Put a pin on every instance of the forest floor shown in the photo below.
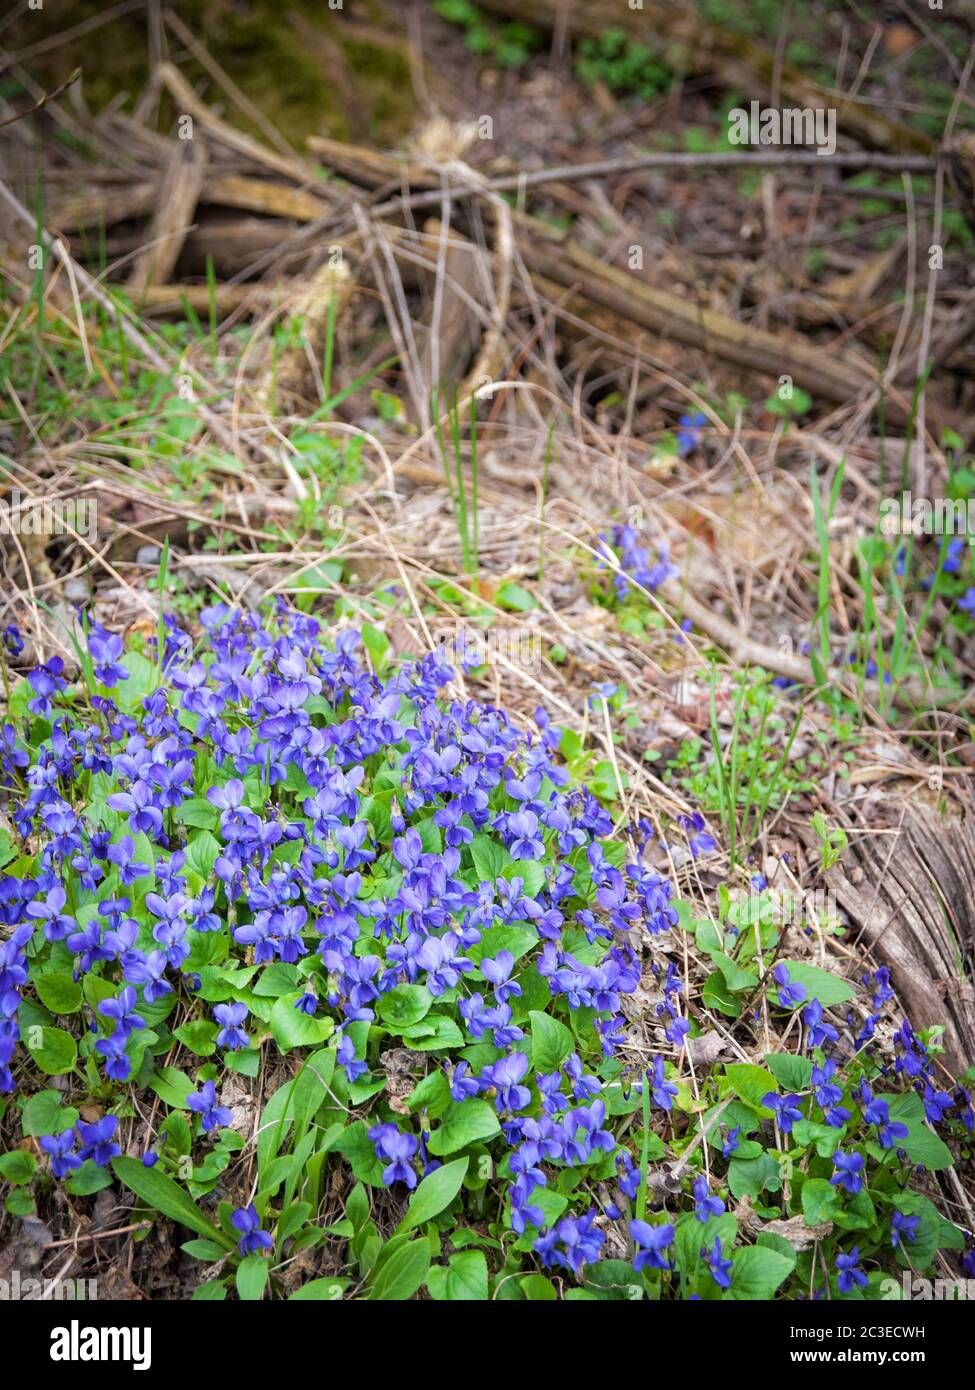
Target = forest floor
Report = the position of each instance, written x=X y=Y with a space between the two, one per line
x=565 y=381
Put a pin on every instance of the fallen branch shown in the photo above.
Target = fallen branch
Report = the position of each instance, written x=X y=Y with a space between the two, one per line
x=178 y=197
x=746 y=651
x=827 y=373
x=113 y=205
x=189 y=103
x=371 y=168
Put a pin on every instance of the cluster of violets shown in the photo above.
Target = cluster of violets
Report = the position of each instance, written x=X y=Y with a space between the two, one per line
x=462 y=764
x=635 y=563
x=275 y=701
x=912 y=1062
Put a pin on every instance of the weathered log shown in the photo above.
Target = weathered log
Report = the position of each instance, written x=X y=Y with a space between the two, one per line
x=915 y=908
x=225 y=299
x=178 y=196
x=109 y=206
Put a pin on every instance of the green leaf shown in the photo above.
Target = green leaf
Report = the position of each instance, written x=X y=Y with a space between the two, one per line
x=490 y=858
x=200 y=1037
x=692 y=1235
x=311 y=1086
x=749 y=1177
x=213 y=1291
x=615 y=1279
x=826 y=1139
x=354 y=1143
x=463 y=1280
x=327 y=1290
x=552 y=1042
x=175 y=1131
x=97 y=990
x=922 y=1145
x=792 y=1073
x=172 y=1086
x=202 y=853
x=87 y=1180
x=376 y=644
x=716 y=995
x=530 y=871
x=434 y=1194
x=46 y=1113
x=58 y=990
x=431 y=1094
x=277 y=979
x=503 y=937
x=164 y=1195
x=221 y=982
x=377 y=811
x=930 y=1233
x=751 y=1083
x=434 y=1032
x=859 y=1214
x=707 y=934
x=464 y=1123
x=399 y=1277
x=758 y=1271
x=55 y=1053
x=246 y=1062
x=538 y=1289
x=820 y=1201
x=18 y=1166
x=431 y=837
x=736 y=979
x=819 y=984
x=404 y=1006
x=292 y=1028
x=207 y=1250
x=19 y=1201
x=514 y=597
x=252 y=1278
x=199 y=813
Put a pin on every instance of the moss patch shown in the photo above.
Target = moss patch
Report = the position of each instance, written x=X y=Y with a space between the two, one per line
x=309 y=69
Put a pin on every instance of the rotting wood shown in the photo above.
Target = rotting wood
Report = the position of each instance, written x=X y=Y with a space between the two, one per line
x=453 y=338
x=372 y=168
x=914 y=904
x=113 y=205
x=178 y=197
x=225 y=299
x=281 y=379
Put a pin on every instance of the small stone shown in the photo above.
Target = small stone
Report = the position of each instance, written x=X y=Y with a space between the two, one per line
x=76 y=590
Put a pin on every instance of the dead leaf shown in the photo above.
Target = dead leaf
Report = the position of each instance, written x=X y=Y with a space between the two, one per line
x=705 y=1049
